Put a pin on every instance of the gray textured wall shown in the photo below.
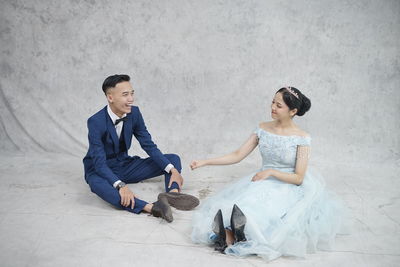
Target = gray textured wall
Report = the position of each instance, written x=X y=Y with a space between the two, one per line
x=204 y=71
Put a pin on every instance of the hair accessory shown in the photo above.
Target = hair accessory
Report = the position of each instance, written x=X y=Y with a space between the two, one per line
x=292 y=92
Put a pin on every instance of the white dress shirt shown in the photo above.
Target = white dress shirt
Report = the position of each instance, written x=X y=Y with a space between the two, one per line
x=118 y=129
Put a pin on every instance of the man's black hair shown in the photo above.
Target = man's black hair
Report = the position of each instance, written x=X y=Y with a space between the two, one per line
x=113 y=80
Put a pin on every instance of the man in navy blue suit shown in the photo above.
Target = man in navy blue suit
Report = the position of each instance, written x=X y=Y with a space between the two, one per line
x=108 y=167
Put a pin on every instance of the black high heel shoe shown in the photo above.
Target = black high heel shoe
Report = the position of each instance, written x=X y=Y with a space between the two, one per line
x=219 y=230
x=238 y=222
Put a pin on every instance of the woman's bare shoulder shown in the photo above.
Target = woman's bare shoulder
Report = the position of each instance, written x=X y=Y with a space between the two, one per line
x=265 y=125
x=302 y=133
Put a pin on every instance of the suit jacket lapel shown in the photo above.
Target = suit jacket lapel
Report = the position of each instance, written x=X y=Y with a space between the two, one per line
x=128 y=130
x=112 y=131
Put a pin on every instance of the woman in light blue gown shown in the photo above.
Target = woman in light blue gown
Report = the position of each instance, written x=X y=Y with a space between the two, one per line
x=283 y=209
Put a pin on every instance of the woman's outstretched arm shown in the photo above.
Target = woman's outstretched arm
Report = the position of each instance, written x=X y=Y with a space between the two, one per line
x=231 y=158
x=297 y=177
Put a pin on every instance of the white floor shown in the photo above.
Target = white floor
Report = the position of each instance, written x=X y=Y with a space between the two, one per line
x=49 y=217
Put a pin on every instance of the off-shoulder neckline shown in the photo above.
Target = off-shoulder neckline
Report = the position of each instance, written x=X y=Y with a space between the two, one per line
x=284 y=135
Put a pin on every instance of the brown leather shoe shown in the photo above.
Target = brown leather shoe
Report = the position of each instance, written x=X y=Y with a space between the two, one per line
x=180 y=201
x=162 y=209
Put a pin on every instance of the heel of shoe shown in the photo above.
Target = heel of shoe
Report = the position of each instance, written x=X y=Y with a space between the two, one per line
x=239 y=234
x=220 y=244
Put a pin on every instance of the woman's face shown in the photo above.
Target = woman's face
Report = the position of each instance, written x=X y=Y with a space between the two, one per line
x=279 y=109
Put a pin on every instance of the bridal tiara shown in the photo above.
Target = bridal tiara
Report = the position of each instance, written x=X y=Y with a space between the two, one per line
x=290 y=90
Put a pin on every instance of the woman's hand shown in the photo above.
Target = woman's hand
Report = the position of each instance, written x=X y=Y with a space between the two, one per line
x=197 y=164
x=262 y=175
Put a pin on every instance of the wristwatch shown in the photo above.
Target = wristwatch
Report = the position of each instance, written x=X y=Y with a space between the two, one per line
x=120 y=185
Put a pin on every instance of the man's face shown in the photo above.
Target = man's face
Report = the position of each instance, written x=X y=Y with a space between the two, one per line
x=120 y=98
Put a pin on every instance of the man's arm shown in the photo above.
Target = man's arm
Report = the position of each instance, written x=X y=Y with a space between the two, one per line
x=144 y=138
x=97 y=153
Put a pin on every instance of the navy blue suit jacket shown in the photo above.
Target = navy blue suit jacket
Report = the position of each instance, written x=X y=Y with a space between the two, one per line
x=104 y=157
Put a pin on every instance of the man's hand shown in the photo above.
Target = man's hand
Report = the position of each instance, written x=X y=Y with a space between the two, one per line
x=127 y=197
x=176 y=177
x=261 y=175
x=197 y=164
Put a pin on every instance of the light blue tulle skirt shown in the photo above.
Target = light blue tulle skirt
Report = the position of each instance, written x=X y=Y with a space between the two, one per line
x=282 y=219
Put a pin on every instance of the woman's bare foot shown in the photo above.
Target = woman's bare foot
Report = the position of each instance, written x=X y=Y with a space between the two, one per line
x=229 y=237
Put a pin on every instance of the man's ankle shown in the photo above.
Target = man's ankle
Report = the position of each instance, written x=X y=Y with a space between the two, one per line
x=174 y=191
x=148 y=207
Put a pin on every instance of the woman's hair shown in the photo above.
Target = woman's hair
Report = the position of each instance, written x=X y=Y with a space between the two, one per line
x=295 y=99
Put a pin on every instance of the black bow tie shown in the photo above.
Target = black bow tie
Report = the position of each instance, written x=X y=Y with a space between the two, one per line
x=119 y=120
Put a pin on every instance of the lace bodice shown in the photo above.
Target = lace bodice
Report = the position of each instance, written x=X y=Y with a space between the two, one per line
x=279 y=151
